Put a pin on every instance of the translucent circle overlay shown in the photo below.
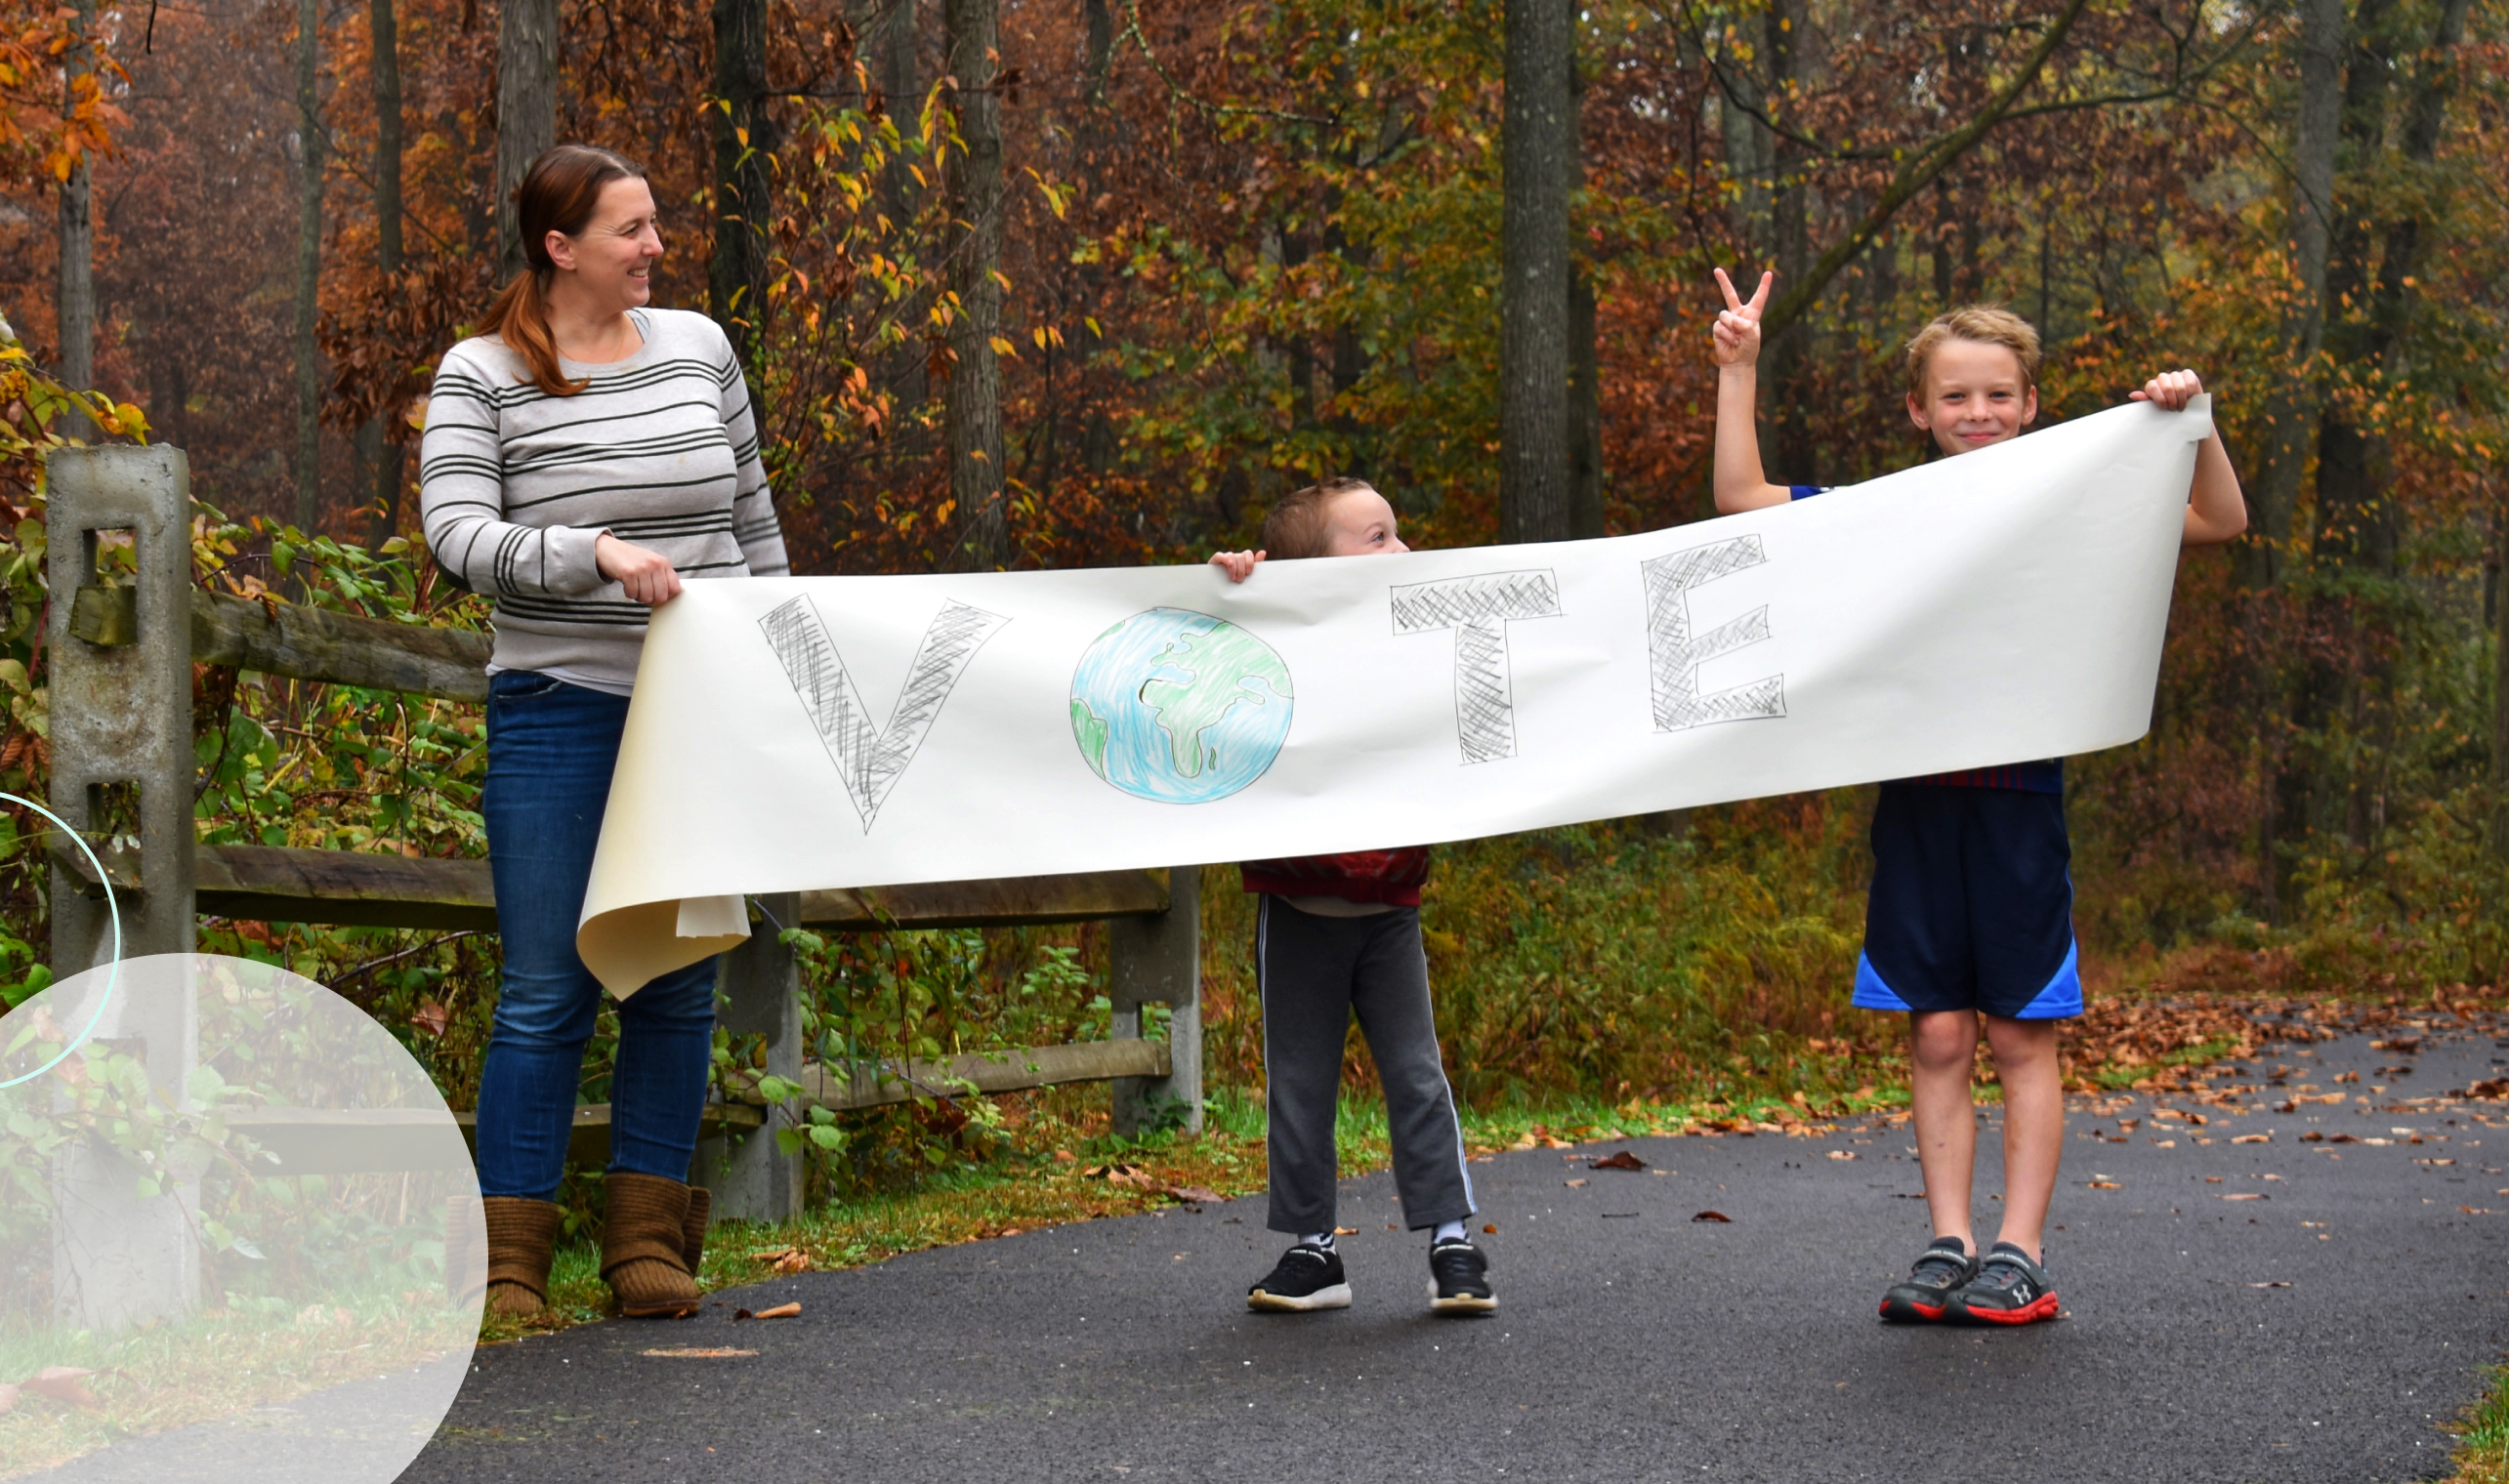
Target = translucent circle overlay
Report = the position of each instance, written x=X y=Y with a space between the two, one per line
x=240 y=1233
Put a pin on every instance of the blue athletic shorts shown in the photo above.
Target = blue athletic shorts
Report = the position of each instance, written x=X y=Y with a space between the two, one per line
x=1972 y=906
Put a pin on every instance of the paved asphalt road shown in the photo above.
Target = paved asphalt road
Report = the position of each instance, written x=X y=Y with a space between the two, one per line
x=1632 y=1343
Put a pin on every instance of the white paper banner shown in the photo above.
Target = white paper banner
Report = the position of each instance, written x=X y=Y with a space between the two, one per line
x=810 y=732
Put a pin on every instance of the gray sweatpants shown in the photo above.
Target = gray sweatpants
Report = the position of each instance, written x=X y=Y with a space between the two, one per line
x=1313 y=972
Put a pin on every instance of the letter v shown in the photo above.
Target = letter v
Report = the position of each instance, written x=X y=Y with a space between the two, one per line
x=871 y=760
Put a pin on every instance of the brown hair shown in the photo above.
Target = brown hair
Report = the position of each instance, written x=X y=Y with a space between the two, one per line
x=1986 y=324
x=558 y=194
x=1295 y=527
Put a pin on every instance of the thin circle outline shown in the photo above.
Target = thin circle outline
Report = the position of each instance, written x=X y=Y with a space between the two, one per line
x=114 y=976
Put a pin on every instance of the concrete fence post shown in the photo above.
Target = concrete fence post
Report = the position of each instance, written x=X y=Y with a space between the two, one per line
x=121 y=710
x=759 y=993
x=1160 y=959
x=122 y=764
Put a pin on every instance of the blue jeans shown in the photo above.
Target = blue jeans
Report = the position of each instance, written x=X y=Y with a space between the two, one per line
x=552 y=748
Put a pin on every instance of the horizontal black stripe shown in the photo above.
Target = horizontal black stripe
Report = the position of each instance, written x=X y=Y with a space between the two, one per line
x=512 y=506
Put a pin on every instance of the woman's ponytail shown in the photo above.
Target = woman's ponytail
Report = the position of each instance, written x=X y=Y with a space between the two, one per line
x=559 y=193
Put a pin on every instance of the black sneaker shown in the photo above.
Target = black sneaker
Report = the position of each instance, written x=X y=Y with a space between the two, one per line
x=1927 y=1292
x=1307 y=1277
x=2009 y=1289
x=1459 y=1282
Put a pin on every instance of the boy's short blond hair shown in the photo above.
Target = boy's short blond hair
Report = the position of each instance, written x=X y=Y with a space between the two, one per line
x=1295 y=527
x=1986 y=324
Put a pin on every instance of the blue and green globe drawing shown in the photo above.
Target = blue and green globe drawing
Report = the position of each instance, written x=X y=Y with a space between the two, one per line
x=1179 y=706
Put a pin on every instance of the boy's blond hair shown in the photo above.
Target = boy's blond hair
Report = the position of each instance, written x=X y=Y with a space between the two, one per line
x=1295 y=527
x=1986 y=324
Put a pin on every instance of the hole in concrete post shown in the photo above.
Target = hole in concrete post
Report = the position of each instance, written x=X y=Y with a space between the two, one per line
x=113 y=832
x=105 y=611
x=112 y=555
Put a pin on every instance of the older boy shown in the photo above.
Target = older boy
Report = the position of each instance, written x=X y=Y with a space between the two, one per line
x=1336 y=934
x=1970 y=916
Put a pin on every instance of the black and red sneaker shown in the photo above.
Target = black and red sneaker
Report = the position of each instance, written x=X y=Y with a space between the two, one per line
x=1928 y=1288
x=2009 y=1289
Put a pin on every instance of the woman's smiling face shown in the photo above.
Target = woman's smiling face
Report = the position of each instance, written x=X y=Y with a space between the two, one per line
x=613 y=257
x=1975 y=394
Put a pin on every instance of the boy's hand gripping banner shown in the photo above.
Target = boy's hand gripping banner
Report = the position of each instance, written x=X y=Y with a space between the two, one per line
x=811 y=732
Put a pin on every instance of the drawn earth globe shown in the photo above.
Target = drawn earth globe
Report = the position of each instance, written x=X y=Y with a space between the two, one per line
x=1179 y=706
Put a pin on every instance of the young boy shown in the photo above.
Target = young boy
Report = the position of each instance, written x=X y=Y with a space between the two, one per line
x=1970 y=918
x=1336 y=934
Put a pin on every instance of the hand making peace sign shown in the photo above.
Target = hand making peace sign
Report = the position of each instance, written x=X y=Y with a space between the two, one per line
x=1738 y=324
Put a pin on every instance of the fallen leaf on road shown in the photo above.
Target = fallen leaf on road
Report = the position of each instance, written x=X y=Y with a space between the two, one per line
x=1490 y=1228
x=2407 y=1044
x=1711 y=1215
x=2248 y=1195
x=2381 y=1142
x=2341 y=1138
x=784 y=1259
x=1842 y=1154
x=2253 y=1138
x=1346 y=1231
x=699 y=1353
x=2269 y=1285
x=2312 y=1136
x=2212 y=1179
x=2434 y=1162
x=1620 y=1160
x=1132 y=1177
x=1196 y=1195
x=2489 y=1086
x=2473 y=1211
x=1573 y=1184
x=779 y=1311
x=2105 y=1185
x=61 y=1384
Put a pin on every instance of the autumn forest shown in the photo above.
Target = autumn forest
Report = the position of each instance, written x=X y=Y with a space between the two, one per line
x=1091 y=282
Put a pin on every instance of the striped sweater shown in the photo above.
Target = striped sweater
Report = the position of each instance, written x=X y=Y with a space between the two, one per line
x=660 y=451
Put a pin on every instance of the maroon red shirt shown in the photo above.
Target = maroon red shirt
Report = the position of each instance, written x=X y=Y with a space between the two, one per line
x=1391 y=876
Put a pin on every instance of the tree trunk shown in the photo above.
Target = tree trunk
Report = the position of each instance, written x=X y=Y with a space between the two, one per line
x=527 y=110
x=76 y=307
x=391 y=454
x=1100 y=24
x=1585 y=415
x=309 y=266
x=2501 y=682
x=902 y=82
x=1789 y=438
x=2357 y=529
x=743 y=141
x=974 y=404
x=2291 y=400
x=1537 y=154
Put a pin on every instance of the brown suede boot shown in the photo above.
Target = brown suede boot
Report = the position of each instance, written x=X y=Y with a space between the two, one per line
x=523 y=1239
x=643 y=1257
x=692 y=1231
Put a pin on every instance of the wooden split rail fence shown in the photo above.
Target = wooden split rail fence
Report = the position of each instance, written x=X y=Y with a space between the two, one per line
x=121 y=653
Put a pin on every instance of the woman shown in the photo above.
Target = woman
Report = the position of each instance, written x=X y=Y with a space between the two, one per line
x=582 y=458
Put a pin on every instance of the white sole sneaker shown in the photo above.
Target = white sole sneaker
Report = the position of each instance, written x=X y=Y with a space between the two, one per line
x=1460 y=1304
x=1338 y=1296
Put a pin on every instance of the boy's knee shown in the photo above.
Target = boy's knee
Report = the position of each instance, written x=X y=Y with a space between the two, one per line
x=1943 y=1038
